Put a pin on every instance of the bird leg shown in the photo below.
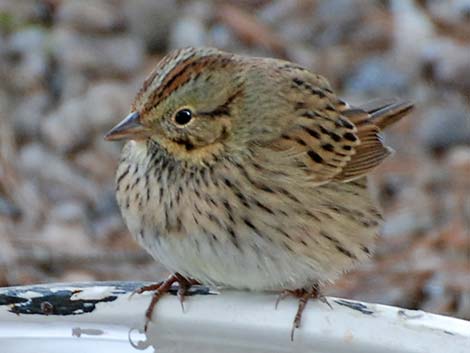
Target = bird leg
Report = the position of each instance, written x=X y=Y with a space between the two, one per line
x=303 y=295
x=160 y=288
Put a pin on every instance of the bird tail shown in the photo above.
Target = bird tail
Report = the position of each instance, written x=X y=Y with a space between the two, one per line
x=383 y=113
x=370 y=119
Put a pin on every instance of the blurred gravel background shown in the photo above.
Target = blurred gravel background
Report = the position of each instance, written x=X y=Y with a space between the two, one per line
x=69 y=70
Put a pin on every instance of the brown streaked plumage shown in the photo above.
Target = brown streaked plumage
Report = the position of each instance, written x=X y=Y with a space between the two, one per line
x=250 y=173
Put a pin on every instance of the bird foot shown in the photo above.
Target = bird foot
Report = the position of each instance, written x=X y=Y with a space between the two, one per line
x=160 y=288
x=303 y=295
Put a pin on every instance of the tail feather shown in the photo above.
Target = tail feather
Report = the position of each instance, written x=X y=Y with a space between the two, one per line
x=387 y=112
x=370 y=119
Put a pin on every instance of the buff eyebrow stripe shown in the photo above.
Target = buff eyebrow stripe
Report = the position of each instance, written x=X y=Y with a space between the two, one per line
x=223 y=109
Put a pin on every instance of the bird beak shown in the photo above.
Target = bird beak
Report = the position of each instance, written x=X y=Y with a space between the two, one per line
x=129 y=128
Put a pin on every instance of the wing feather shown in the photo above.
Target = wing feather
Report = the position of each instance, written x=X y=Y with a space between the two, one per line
x=328 y=139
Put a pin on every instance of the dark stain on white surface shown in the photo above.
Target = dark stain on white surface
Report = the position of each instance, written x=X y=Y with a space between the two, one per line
x=66 y=299
x=362 y=308
x=79 y=331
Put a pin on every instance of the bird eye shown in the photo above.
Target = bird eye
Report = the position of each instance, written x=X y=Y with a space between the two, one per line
x=183 y=116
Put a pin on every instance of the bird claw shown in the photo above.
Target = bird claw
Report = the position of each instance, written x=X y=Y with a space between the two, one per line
x=283 y=295
x=182 y=290
x=323 y=299
x=160 y=288
x=143 y=289
x=304 y=296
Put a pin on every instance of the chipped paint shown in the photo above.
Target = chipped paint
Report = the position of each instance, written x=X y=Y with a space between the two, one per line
x=195 y=290
x=361 y=307
x=79 y=331
x=410 y=314
x=59 y=299
x=31 y=294
x=58 y=303
x=232 y=319
x=93 y=293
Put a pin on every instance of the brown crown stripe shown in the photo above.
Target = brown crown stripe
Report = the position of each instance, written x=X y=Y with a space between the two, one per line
x=178 y=76
x=156 y=71
x=178 y=68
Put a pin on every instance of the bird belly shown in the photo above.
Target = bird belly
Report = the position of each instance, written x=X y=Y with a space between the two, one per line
x=236 y=237
x=255 y=266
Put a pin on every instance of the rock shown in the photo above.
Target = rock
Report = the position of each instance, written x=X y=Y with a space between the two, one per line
x=111 y=151
x=151 y=21
x=445 y=126
x=452 y=11
x=335 y=21
x=459 y=160
x=59 y=180
x=391 y=188
x=333 y=63
x=89 y=16
x=29 y=113
x=26 y=40
x=97 y=163
x=188 y=32
x=448 y=62
x=377 y=76
x=463 y=310
x=74 y=123
x=69 y=239
x=71 y=83
x=8 y=209
x=30 y=201
x=190 y=28
x=107 y=204
x=106 y=220
x=68 y=212
x=302 y=55
x=8 y=253
x=15 y=12
x=376 y=35
x=77 y=276
x=107 y=103
x=280 y=12
x=67 y=128
x=447 y=289
x=220 y=36
x=413 y=30
x=407 y=221
x=104 y=228
x=26 y=49
x=101 y=56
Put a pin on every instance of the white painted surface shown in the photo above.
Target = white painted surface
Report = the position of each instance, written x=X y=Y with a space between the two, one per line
x=228 y=322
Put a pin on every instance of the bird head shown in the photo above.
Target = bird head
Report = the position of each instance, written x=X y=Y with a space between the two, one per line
x=188 y=105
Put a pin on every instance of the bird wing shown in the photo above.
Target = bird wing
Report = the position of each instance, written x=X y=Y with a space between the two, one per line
x=328 y=139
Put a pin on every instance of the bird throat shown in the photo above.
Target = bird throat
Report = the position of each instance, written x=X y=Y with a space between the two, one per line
x=187 y=153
